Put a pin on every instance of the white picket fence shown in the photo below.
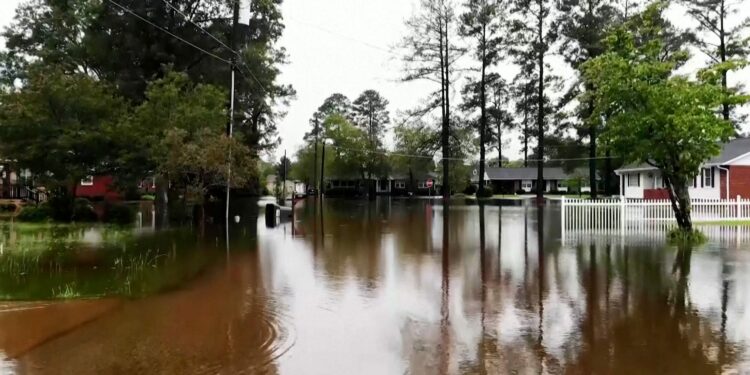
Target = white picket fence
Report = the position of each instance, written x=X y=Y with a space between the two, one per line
x=626 y=215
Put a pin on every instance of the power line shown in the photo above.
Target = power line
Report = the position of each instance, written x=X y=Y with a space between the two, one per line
x=127 y=10
x=367 y=44
x=198 y=26
x=433 y=157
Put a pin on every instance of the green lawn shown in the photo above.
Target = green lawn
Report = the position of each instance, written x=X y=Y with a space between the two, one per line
x=724 y=223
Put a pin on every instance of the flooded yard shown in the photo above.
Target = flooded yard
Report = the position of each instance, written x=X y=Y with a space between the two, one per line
x=384 y=287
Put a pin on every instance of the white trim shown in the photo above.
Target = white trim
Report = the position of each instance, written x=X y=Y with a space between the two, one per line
x=87 y=181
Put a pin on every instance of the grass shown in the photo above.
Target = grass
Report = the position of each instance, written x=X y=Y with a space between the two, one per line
x=724 y=223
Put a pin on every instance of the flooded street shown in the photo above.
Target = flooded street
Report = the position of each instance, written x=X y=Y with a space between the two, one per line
x=385 y=287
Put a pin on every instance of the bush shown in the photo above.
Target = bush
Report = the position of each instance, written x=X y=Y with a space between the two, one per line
x=83 y=210
x=521 y=191
x=679 y=236
x=118 y=214
x=470 y=190
x=485 y=193
x=61 y=205
x=8 y=207
x=35 y=214
x=148 y=197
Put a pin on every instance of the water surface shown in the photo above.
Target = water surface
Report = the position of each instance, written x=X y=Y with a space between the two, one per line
x=385 y=287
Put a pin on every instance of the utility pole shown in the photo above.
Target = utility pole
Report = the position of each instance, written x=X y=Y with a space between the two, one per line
x=230 y=126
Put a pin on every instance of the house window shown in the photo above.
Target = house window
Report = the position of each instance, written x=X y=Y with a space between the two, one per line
x=400 y=185
x=708 y=177
x=634 y=179
x=421 y=185
x=87 y=181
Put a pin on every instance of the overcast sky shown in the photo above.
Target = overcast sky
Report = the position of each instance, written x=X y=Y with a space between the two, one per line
x=346 y=46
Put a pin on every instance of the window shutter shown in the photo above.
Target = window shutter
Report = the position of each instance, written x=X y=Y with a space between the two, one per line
x=703 y=176
x=695 y=182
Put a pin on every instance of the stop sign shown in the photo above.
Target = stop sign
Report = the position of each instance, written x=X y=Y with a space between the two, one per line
x=428 y=183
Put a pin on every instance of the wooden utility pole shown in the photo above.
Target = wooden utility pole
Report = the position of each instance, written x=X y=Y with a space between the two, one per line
x=315 y=163
x=230 y=126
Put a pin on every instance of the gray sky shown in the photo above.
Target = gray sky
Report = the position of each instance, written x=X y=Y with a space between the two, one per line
x=345 y=46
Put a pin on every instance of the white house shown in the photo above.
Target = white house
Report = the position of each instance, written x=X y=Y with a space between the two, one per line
x=724 y=176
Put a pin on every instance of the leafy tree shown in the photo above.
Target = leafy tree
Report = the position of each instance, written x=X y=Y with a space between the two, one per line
x=173 y=102
x=430 y=54
x=60 y=126
x=413 y=142
x=716 y=38
x=197 y=162
x=657 y=117
x=482 y=22
x=348 y=146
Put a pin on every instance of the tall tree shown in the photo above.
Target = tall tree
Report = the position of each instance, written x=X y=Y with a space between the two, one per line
x=718 y=36
x=370 y=113
x=261 y=97
x=482 y=22
x=584 y=24
x=430 y=54
x=534 y=33
x=654 y=116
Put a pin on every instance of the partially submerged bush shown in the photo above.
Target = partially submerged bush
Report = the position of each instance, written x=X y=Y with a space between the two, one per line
x=679 y=236
x=118 y=214
x=486 y=193
x=83 y=211
x=35 y=214
x=470 y=190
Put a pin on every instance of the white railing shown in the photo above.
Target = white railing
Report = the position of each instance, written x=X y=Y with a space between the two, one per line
x=639 y=214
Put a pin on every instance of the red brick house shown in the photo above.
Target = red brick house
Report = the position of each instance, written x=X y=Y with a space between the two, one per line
x=724 y=176
x=103 y=187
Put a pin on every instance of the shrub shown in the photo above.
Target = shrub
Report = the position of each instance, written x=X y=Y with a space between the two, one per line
x=118 y=214
x=61 y=205
x=485 y=193
x=35 y=214
x=521 y=191
x=470 y=190
x=83 y=210
x=678 y=236
x=148 y=197
x=8 y=207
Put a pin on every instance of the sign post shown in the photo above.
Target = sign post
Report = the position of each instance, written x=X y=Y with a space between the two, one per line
x=429 y=183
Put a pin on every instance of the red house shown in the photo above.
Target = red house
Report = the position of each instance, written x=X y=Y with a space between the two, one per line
x=98 y=187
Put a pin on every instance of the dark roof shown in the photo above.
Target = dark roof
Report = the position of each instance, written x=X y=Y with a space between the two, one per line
x=729 y=151
x=417 y=176
x=550 y=173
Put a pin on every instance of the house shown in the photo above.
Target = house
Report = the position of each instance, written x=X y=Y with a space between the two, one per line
x=724 y=176
x=515 y=180
x=397 y=184
x=97 y=188
x=424 y=184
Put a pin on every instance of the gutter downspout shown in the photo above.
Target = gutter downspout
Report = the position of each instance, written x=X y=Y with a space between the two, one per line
x=726 y=170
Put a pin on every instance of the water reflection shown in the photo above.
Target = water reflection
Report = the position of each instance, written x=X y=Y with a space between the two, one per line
x=411 y=286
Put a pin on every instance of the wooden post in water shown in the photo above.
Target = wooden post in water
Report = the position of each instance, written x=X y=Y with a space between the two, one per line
x=622 y=215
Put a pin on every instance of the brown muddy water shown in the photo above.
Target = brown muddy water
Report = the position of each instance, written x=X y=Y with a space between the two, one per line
x=385 y=287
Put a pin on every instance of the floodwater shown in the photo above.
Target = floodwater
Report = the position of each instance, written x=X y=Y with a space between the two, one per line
x=385 y=287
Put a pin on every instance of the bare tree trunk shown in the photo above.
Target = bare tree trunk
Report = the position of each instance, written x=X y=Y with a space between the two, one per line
x=540 y=108
x=483 y=120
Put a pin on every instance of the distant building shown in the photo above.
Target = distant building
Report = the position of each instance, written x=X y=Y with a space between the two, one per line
x=517 y=180
x=724 y=176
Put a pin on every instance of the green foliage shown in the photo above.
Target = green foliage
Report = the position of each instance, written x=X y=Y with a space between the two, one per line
x=654 y=116
x=118 y=214
x=58 y=125
x=485 y=193
x=35 y=214
x=680 y=236
x=83 y=211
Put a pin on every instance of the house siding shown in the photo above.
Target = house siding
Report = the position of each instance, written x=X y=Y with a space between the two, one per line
x=739 y=181
x=102 y=188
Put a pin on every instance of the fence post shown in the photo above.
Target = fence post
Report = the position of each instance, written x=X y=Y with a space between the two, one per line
x=739 y=208
x=562 y=218
x=622 y=214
